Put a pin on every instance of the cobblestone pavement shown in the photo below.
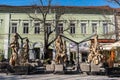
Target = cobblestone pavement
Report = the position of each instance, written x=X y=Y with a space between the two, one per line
x=55 y=77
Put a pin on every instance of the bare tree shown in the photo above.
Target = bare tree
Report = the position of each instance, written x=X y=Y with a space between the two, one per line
x=115 y=1
x=45 y=8
x=117 y=28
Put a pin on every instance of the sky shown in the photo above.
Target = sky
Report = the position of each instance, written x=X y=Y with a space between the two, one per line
x=61 y=3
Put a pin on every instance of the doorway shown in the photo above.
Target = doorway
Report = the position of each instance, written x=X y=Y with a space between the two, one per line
x=72 y=55
x=37 y=53
x=84 y=56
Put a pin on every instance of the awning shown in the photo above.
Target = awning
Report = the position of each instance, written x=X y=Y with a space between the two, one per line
x=110 y=46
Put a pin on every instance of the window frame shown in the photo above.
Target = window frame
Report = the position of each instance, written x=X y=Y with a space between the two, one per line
x=48 y=25
x=14 y=28
x=60 y=27
x=94 y=27
x=72 y=28
x=83 y=28
x=105 y=28
x=25 y=28
x=37 y=28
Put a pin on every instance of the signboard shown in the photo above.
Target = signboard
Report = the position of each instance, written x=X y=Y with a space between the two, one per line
x=104 y=40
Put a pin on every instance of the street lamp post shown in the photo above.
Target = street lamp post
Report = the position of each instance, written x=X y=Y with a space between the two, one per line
x=78 y=62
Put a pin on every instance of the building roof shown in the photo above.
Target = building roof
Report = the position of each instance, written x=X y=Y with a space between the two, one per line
x=65 y=9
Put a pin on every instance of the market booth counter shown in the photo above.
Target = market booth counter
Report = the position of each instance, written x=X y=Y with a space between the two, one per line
x=112 y=52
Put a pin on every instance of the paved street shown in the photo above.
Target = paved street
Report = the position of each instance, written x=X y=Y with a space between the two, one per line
x=55 y=77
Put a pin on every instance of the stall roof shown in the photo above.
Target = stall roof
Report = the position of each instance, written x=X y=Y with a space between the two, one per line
x=111 y=45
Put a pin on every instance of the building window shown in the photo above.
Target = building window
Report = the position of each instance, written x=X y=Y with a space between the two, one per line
x=105 y=28
x=48 y=25
x=25 y=28
x=60 y=28
x=83 y=28
x=37 y=28
x=94 y=27
x=72 y=28
x=14 y=28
